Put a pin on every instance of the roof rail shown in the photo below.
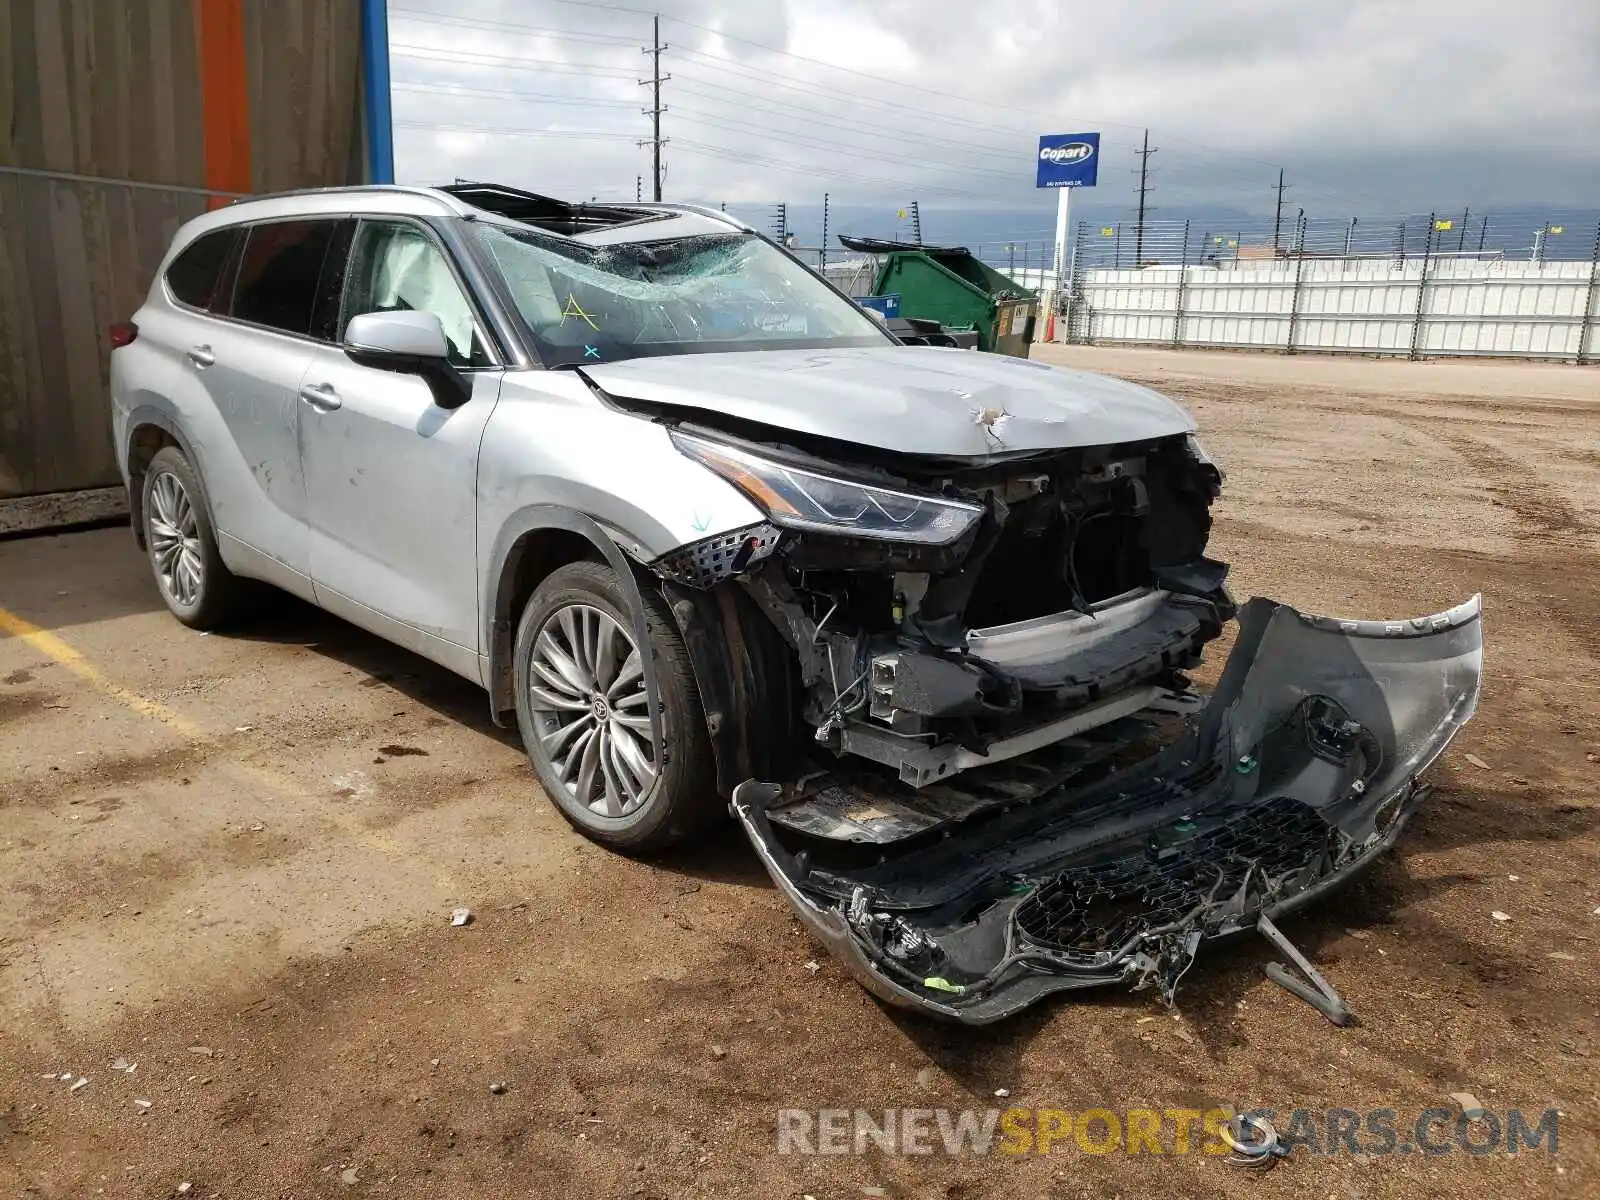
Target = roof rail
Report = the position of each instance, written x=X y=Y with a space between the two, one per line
x=408 y=189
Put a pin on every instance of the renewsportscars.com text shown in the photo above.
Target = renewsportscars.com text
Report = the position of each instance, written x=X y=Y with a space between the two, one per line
x=1017 y=1131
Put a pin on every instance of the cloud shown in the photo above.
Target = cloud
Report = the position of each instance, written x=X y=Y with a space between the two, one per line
x=1369 y=106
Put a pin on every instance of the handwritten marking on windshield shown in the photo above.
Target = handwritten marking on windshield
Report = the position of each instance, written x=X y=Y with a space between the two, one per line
x=591 y=351
x=574 y=309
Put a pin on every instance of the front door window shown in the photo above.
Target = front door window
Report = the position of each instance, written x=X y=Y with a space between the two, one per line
x=397 y=267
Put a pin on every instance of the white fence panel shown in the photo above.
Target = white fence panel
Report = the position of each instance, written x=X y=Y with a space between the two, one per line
x=1369 y=305
x=1247 y=304
x=1363 y=305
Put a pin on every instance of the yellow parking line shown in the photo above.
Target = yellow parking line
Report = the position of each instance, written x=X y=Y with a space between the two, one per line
x=250 y=774
x=57 y=650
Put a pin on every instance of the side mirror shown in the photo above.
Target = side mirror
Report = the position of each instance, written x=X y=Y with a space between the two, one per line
x=411 y=343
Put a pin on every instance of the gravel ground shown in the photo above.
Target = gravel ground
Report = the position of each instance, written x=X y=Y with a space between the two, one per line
x=231 y=861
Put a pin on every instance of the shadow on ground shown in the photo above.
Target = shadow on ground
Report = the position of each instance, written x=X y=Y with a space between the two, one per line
x=59 y=581
x=285 y=620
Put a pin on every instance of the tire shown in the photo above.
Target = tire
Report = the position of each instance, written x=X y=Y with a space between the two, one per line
x=193 y=580
x=566 y=733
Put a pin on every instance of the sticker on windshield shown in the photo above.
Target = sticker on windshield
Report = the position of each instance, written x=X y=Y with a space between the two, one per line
x=574 y=309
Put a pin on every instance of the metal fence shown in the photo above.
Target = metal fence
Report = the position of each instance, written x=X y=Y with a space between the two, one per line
x=111 y=136
x=1119 y=244
x=1434 y=299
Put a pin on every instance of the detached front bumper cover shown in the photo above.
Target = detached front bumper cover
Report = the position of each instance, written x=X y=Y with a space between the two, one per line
x=1300 y=770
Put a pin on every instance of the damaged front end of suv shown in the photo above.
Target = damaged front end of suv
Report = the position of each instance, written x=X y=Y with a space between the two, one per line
x=949 y=696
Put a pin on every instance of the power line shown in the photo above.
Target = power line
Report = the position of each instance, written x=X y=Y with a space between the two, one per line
x=712 y=62
x=698 y=116
x=564 y=35
x=451 y=89
x=808 y=115
x=731 y=154
x=778 y=164
x=470 y=58
x=507 y=131
x=816 y=117
x=621 y=8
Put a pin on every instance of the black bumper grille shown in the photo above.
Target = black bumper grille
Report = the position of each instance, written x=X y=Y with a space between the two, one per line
x=1098 y=907
x=710 y=561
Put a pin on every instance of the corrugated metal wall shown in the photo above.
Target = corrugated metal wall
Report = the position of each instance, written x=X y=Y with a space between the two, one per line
x=104 y=115
x=1360 y=305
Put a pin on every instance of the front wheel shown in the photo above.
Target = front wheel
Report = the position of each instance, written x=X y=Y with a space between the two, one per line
x=583 y=709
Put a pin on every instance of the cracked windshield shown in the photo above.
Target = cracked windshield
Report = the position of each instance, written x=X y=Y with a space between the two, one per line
x=690 y=295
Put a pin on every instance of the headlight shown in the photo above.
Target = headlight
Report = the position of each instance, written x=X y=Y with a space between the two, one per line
x=1198 y=450
x=801 y=499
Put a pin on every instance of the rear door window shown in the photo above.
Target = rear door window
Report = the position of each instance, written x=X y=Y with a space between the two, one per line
x=194 y=275
x=279 y=272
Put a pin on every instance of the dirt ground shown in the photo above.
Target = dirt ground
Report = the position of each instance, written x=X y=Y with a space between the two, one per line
x=231 y=860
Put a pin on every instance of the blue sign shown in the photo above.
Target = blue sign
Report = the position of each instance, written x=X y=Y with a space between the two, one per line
x=1068 y=160
x=884 y=306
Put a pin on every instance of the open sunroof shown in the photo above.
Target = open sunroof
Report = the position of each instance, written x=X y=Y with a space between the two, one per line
x=545 y=212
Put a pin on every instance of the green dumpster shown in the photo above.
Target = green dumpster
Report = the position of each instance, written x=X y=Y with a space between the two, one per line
x=950 y=285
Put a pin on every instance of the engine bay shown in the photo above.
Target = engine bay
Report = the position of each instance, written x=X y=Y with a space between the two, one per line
x=1058 y=627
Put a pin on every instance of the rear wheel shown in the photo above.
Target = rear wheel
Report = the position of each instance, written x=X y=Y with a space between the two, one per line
x=583 y=708
x=190 y=575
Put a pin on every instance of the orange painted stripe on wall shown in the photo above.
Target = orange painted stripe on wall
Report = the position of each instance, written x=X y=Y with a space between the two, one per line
x=225 y=95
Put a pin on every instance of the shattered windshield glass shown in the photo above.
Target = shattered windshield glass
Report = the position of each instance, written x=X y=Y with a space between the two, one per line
x=701 y=294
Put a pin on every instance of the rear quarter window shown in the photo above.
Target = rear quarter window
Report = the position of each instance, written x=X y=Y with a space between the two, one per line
x=194 y=276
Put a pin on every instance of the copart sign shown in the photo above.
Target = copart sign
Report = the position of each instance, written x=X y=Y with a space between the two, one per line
x=1068 y=160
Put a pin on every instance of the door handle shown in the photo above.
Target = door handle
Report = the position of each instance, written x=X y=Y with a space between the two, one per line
x=320 y=396
x=201 y=356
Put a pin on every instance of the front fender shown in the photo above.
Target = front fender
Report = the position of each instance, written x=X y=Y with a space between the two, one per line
x=499 y=621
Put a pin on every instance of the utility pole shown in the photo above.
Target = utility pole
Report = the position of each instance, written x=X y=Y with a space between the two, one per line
x=1144 y=187
x=655 y=110
x=916 y=223
x=1277 y=216
x=822 y=254
x=638 y=188
x=780 y=222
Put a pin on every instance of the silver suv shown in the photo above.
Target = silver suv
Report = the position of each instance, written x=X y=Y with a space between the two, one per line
x=709 y=533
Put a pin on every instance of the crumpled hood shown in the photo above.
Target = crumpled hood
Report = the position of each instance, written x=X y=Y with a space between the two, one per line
x=914 y=399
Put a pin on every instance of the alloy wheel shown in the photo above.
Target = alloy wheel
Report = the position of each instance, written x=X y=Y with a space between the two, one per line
x=174 y=536
x=591 y=710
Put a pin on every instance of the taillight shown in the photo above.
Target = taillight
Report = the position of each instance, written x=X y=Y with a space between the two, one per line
x=122 y=333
